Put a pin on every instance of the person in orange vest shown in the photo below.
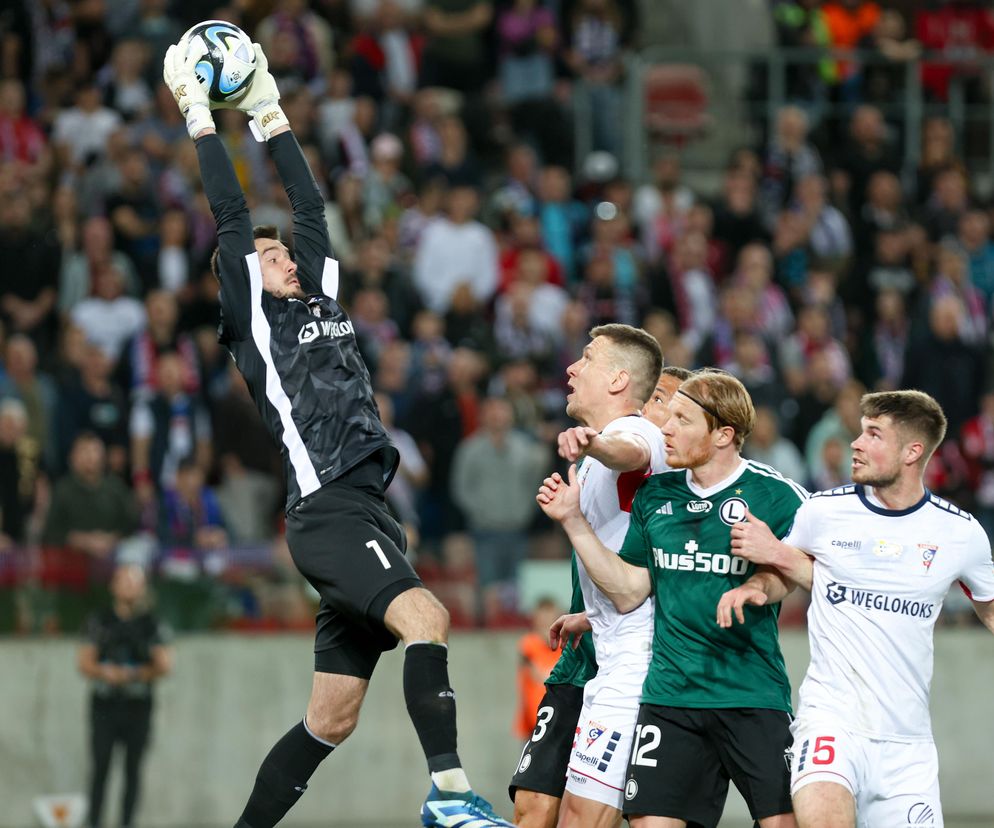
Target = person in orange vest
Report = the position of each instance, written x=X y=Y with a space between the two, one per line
x=535 y=665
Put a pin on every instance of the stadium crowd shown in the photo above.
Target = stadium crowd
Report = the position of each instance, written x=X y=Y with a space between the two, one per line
x=476 y=252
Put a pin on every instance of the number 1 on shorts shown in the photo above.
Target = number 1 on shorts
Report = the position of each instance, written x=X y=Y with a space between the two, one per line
x=375 y=546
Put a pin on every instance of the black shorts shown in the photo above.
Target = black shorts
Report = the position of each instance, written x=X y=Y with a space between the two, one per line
x=344 y=541
x=542 y=767
x=682 y=759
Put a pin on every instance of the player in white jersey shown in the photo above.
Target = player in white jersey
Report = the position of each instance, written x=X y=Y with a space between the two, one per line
x=615 y=375
x=879 y=557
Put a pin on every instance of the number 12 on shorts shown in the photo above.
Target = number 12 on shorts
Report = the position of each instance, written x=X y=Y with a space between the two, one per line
x=823 y=752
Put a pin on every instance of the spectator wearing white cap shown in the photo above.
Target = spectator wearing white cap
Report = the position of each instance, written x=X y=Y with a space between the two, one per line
x=384 y=185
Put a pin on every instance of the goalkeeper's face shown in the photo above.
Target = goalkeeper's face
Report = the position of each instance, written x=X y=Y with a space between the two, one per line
x=279 y=271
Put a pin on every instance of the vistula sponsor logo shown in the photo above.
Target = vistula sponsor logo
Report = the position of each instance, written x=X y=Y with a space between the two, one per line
x=867 y=600
x=699 y=506
x=324 y=329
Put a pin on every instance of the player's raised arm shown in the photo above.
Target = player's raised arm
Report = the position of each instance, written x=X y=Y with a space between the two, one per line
x=618 y=450
x=234 y=225
x=753 y=540
x=316 y=265
x=625 y=585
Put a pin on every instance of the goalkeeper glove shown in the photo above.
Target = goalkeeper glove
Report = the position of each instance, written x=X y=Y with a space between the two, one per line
x=262 y=101
x=178 y=73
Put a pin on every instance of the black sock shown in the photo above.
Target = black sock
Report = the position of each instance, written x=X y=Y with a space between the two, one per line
x=282 y=779
x=431 y=703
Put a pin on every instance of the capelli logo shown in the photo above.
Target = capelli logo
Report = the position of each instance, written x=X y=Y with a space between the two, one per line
x=699 y=507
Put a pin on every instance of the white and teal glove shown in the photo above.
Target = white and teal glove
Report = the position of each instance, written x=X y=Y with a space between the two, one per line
x=262 y=101
x=178 y=73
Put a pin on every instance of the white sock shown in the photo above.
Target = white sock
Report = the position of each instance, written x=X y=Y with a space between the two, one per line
x=453 y=780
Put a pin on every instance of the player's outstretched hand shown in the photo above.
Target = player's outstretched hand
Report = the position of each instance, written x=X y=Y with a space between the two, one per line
x=753 y=540
x=178 y=74
x=558 y=498
x=573 y=624
x=574 y=442
x=735 y=599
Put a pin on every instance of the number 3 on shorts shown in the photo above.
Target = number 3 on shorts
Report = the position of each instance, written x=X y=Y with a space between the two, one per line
x=375 y=546
x=542 y=722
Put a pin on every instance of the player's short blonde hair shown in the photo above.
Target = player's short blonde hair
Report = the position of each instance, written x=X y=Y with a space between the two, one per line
x=914 y=412
x=637 y=352
x=724 y=399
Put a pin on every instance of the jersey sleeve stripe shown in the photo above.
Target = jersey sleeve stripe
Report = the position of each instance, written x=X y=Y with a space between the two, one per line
x=307 y=478
x=769 y=471
x=329 y=278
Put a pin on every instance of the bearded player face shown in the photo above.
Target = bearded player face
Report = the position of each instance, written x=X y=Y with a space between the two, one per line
x=876 y=453
x=689 y=441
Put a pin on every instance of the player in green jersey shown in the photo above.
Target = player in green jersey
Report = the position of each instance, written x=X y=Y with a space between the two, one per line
x=714 y=706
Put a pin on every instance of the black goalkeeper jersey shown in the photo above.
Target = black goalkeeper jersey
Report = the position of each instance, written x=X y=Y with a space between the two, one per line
x=299 y=358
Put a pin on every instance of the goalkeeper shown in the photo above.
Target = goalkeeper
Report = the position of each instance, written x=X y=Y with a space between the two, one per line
x=295 y=346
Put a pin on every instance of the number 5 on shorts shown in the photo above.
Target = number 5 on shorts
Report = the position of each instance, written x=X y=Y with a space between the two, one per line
x=375 y=546
x=823 y=752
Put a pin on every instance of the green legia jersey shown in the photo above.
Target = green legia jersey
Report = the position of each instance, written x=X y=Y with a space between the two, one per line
x=577 y=666
x=682 y=535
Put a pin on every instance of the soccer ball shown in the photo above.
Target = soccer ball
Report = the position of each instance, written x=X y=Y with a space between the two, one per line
x=225 y=59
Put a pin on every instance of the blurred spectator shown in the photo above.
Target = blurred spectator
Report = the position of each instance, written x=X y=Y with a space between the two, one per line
x=813 y=336
x=889 y=341
x=308 y=36
x=827 y=450
x=866 y=150
x=455 y=51
x=766 y=445
x=125 y=651
x=93 y=403
x=456 y=250
x=455 y=162
x=411 y=477
x=123 y=80
x=96 y=252
x=138 y=368
x=752 y=365
x=693 y=287
x=515 y=195
x=948 y=202
x=942 y=364
x=495 y=474
x=439 y=419
x=90 y=513
x=80 y=133
x=974 y=235
x=828 y=239
x=249 y=464
x=174 y=262
x=530 y=298
x=108 y=317
x=848 y=23
x=789 y=158
x=660 y=209
x=21 y=139
x=609 y=297
x=378 y=270
x=189 y=515
x=134 y=211
x=30 y=275
x=737 y=218
x=938 y=153
x=536 y=660
x=167 y=428
x=883 y=82
x=952 y=278
x=385 y=186
x=754 y=272
x=563 y=219
x=527 y=45
x=38 y=392
x=594 y=56
x=20 y=467
x=374 y=327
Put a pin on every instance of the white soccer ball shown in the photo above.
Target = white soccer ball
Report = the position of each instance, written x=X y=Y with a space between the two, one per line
x=225 y=59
